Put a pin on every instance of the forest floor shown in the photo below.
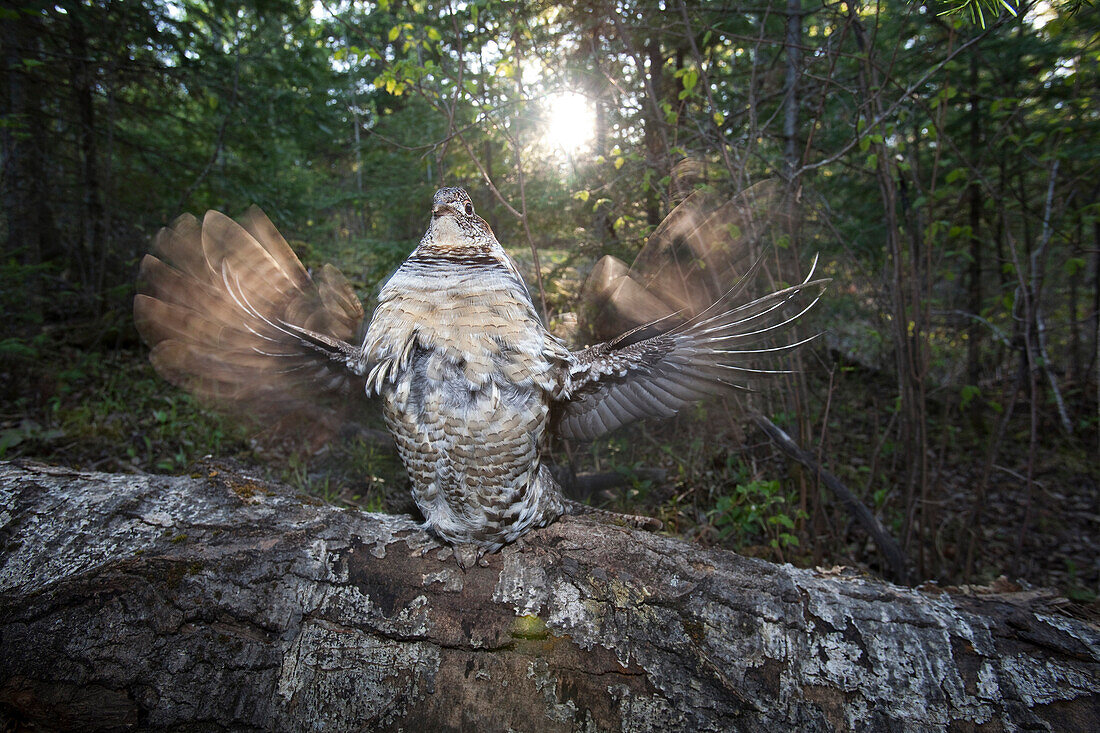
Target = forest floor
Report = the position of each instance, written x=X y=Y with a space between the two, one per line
x=716 y=483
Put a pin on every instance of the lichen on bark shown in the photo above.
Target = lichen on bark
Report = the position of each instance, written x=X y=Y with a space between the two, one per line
x=222 y=601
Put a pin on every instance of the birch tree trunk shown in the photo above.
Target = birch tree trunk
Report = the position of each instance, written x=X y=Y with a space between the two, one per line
x=218 y=601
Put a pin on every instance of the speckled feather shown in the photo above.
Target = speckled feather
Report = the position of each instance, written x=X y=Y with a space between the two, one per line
x=471 y=382
x=466 y=373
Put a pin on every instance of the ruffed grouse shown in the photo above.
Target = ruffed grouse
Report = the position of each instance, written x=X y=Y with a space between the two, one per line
x=470 y=380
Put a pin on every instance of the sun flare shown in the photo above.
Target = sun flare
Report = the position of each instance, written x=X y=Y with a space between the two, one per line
x=570 y=121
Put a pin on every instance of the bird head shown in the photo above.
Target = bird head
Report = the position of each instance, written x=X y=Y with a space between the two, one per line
x=454 y=225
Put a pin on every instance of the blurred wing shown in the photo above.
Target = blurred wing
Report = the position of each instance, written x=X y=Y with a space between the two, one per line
x=722 y=348
x=614 y=302
x=686 y=264
x=704 y=244
x=233 y=317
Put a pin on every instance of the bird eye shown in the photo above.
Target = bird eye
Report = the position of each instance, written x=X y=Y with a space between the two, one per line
x=469 y=209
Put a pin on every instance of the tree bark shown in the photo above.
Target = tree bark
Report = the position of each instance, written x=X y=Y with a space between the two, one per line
x=218 y=601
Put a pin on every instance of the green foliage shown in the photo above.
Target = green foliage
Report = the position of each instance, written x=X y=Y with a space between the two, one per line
x=968 y=394
x=977 y=10
x=111 y=410
x=341 y=119
x=753 y=509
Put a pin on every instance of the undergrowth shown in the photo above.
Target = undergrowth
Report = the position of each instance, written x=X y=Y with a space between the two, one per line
x=721 y=485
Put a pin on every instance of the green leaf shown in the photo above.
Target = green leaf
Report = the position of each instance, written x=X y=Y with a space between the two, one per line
x=18 y=348
x=581 y=196
x=956 y=174
x=782 y=519
x=1073 y=265
x=690 y=79
x=394 y=33
x=10 y=439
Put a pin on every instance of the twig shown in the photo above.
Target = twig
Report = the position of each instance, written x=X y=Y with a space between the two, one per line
x=1037 y=271
x=997 y=332
x=1020 y=476
x=724 y=148
x=885 y=114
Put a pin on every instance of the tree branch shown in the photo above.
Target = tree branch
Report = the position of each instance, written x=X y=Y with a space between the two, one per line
x=886 y=544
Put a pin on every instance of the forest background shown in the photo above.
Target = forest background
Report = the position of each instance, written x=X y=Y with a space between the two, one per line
x=945 y=166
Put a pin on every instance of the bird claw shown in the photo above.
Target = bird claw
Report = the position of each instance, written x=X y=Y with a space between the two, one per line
x=468 y=556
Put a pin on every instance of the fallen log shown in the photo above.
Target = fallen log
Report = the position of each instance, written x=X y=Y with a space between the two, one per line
x=218 y=601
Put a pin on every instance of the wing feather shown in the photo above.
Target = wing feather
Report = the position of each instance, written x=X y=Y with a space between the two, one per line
x=233 y=316
x=719 y=349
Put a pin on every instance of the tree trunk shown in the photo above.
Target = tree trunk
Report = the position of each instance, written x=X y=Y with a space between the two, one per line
x=792 y=49
x=219 y=601
x=975 y=294
x=654 y=150
x=82 y=81
x=25 y=183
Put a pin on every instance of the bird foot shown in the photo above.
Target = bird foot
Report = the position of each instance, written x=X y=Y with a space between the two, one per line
x=635 y=521
x=468 y=556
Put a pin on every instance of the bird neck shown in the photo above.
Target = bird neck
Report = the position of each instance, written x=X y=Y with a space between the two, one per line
x=448 y=245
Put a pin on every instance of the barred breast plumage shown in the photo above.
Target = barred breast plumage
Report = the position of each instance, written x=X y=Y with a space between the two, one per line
x=471 y=382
